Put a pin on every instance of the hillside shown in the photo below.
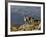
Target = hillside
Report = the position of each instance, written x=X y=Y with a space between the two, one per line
x=35 y=25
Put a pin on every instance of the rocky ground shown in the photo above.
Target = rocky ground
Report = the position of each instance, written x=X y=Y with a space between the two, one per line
x=35 y=25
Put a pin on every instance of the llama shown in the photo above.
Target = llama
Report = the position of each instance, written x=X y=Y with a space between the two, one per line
x=28 y=19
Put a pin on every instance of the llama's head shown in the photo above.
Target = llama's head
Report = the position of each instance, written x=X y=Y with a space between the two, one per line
x=28 y=19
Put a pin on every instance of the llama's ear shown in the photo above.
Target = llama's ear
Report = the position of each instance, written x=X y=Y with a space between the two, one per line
x=24 y=19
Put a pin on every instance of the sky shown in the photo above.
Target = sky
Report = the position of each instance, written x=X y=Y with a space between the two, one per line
x=18 y=13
